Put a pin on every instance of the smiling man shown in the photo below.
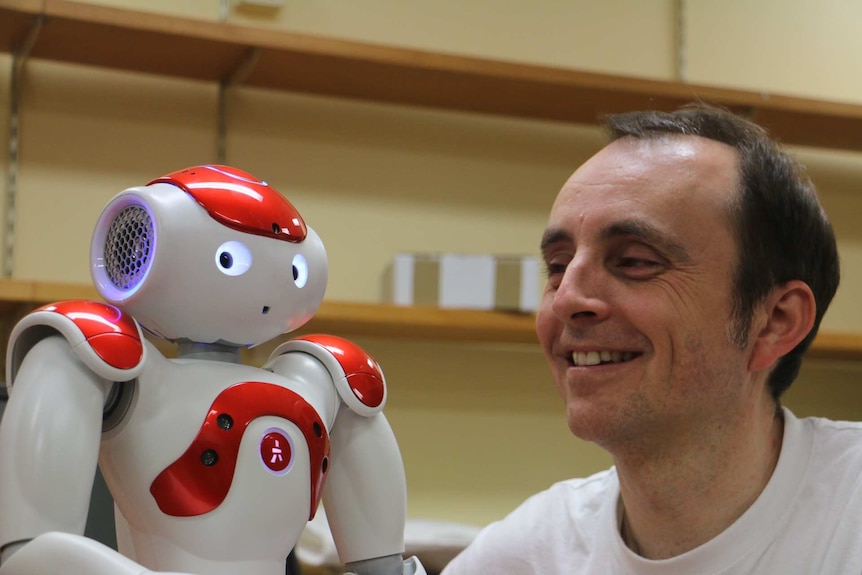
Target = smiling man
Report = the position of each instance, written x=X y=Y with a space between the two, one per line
x=689 y=265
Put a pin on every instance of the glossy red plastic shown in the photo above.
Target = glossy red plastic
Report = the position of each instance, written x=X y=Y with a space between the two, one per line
x=112 y=334
x=240 y=201
x=189 y=487
x=363 y=374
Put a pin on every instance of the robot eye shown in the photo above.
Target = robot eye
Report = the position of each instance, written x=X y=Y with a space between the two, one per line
x=233 y=258
x=225 y=260
x=300 y=270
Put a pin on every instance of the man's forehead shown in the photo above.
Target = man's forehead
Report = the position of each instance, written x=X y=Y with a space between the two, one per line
x=641 y=156
x=650 y=189
x=682 y=168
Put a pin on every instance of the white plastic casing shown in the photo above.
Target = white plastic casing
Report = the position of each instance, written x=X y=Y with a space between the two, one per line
x=183 y=293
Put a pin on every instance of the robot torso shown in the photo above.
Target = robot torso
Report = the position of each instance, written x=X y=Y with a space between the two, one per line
x=248 y=466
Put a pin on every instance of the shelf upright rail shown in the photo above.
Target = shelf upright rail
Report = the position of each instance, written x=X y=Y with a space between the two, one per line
x=19 y=59
x=237 y=76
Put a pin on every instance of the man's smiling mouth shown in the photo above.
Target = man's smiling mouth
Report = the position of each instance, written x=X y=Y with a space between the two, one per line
x=589 y=358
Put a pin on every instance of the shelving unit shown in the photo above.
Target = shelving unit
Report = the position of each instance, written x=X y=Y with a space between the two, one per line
x=389 y=321
x=81 y=33
x=356 y=319
x=225 y=53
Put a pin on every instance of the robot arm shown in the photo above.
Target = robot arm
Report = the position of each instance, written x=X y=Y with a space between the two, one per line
x=62 y=362
x=365 y=494
x=49 y=444
x=76 y=554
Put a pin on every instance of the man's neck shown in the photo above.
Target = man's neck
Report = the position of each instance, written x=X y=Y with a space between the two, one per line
x=684 y=497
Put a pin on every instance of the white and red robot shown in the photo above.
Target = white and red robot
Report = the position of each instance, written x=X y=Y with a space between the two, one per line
x=215 y=467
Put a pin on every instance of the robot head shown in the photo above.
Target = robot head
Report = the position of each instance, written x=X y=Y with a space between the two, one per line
x=209 y=254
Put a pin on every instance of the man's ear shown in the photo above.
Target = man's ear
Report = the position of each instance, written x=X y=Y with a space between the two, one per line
x=789 y=316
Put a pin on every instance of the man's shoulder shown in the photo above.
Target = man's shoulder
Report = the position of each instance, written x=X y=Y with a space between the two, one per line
x=831 y=441
x=539 y=536
x=834 y=425
x=596 y=483
x=573 y=497
x=824 y=429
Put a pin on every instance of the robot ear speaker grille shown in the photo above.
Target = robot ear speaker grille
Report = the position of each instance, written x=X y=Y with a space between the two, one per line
x=129 y=247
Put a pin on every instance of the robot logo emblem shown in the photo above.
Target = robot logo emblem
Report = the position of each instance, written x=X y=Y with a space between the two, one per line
x=276 y=451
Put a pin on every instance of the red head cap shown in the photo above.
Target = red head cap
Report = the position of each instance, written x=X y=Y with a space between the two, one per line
x=240 y=201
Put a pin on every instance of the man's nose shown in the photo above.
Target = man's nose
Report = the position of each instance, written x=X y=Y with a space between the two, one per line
x=582 y=293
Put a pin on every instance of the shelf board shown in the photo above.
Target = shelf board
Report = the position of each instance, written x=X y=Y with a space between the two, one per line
x=355 y=319
x=836 y=346
x=82 y=33
x=395 y=322
x=389 y=321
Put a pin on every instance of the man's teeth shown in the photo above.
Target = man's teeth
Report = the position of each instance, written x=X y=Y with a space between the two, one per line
x=581 y=358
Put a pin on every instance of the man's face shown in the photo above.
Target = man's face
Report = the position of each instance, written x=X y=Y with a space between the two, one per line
x=634 y=320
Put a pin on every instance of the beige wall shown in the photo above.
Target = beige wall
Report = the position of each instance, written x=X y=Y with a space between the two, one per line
x=480 y=425
x=799 y=47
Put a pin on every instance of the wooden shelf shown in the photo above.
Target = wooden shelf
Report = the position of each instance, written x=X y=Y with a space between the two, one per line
x=394 y=322
x=355 y=319
x=837 y=346
x=77 y=32
x=388 y=321
x=88 y=34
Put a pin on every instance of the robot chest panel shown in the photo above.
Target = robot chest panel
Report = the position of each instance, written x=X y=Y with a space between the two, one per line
x=233 y=441
x=198 y=481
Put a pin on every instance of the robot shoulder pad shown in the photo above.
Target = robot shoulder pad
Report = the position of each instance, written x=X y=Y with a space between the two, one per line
x=357 y=377
x=107 y=340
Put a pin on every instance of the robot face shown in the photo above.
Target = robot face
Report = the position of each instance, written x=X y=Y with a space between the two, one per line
x=234 y=258
x=184 y=274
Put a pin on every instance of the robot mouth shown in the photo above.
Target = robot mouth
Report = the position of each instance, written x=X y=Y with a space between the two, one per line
x=264 y=310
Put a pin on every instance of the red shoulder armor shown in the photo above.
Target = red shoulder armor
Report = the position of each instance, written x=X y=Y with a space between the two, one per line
x=107 y=340
x=356 y=375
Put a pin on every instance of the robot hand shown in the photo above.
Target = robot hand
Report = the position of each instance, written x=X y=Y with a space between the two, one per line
x=76 y=554
x=411 y=566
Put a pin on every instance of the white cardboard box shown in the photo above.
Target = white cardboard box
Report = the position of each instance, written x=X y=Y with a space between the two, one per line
x=465 y=281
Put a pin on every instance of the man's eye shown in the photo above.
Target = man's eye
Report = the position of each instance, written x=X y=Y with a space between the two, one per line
x=638 y=268
x=555 y=269
x=637 y=263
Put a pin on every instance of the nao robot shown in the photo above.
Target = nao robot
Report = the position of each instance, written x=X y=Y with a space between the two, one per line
x=215 y=466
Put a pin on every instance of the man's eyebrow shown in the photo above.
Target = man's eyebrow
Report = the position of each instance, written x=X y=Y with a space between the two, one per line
x=554 y=236
x=648 y=234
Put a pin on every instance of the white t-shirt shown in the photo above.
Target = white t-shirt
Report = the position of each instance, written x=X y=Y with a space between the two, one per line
x=808 y=520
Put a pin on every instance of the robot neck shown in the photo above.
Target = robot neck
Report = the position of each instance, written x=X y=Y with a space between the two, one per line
x=208 y=351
